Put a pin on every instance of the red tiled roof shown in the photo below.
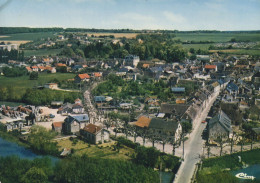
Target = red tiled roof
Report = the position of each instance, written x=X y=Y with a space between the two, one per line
x=84 y=76
x=48 y=68
x=146 y=65
x=28 y=68
x=61 y=65
x=96 y=74
x=57 y=124
x=34 y=67
x=91 y=128
x=46 y=59
x=143 y=121
x=210 y=66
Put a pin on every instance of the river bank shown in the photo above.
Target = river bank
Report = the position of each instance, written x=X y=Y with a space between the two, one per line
x=221 y=169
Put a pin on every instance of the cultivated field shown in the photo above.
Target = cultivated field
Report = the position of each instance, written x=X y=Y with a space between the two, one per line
x=197 y=46
x=15 y=42
x=217 y=37
x=26 y=36
x=238 y=51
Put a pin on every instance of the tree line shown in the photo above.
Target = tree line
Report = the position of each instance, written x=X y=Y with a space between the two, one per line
x=36 y=96
x=76 y=169
x=13 y=30
x=161 y=46
x=6 y=55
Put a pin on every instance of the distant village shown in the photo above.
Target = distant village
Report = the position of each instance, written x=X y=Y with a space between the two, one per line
x=225 y=87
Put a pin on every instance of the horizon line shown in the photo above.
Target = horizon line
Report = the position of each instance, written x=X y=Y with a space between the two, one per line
x=32 y=27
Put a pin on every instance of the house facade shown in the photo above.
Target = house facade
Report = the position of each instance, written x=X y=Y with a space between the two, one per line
x=219 y=126
x=81 y=78
x=73 y=124
x=94 y=134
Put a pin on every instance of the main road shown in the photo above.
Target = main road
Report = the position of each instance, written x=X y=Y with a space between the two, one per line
x=193 y=147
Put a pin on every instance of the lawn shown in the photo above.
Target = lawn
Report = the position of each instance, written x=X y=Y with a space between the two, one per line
x=42 y=52
x=25 y=82
x=98 y=151
x=218 y=37
x=27 y=36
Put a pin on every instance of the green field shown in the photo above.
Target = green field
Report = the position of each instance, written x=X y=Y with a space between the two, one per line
x=11 y=104
x=27 y=36
x=42 y=52
x=238 y=51
x=196 y=46
x=218 y=37
x=23 y=82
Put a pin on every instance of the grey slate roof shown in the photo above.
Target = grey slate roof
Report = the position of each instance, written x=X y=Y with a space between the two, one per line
x=222 y=119
x=177 y=109
x=78 y=118
x=157 y=123
x=178 y=89
x=232 y=87
x=100 y=99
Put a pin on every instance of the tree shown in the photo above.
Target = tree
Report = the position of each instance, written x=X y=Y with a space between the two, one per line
x=192 y=50
x=146 y=156
x=186 y=127
x=35 y=175
x=34 y=75
x=41 y=140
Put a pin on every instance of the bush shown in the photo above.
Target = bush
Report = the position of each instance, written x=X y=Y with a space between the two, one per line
x=127 y=142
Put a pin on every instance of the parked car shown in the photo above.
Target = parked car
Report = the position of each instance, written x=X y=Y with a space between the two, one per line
x=52 y=116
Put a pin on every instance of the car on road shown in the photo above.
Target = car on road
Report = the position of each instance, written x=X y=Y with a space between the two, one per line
x=52 y=116
x=204 y=121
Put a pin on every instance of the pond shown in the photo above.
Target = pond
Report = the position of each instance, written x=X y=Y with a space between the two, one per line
x=9 y=148
x=166 y=177
x=252 y=170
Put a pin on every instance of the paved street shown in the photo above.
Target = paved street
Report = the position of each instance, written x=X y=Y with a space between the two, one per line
x=193 y=147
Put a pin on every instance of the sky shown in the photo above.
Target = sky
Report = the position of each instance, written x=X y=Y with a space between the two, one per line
x=133 y=14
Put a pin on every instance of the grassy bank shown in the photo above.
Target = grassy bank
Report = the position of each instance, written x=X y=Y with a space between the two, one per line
x=11 y=136
x=217 y=169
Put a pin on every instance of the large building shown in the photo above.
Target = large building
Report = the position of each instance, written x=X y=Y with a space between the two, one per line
x=73 y=124
x=219 y=126
x=9 y=47
x=131 y=60
x=94 y=134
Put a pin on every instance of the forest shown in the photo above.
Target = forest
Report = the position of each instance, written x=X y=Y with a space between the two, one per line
x=76 y=169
